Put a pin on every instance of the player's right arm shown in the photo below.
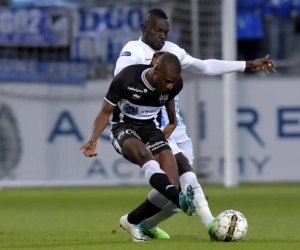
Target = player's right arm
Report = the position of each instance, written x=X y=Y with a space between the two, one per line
x=113 y=96
x=170 y=108
x=128 y=56
x=170 y=127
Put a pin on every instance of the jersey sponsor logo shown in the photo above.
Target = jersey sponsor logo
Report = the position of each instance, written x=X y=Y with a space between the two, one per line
x=163 y=98
x=136 y=96
x=148 y=112
x=137 y=90
x=130 y=110
x=148 y=59
x=125 y=53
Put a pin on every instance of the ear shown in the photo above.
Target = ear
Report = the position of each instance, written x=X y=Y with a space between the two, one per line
x=155 y=57
x=156 y=68
x=143 y=28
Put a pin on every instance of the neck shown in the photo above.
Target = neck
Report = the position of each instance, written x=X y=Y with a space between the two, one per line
x=148 y=76
x=144 y=40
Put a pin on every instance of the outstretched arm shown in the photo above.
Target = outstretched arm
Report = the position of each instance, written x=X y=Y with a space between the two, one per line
x=219 y=67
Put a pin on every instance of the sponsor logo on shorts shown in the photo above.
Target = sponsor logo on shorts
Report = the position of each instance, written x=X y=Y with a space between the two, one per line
x=121 y=135
x=156 y=145
x=132 y=132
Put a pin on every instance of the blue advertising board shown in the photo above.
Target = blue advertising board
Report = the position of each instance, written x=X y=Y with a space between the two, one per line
x=34 y=27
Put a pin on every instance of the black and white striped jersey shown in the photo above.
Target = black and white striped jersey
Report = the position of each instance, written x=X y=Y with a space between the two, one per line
x=136 y=101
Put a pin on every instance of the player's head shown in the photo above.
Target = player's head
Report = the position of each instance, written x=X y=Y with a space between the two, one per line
x=155 y=28
x=166 y=72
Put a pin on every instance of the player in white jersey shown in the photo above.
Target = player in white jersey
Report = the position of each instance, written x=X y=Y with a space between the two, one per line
x=154 y=34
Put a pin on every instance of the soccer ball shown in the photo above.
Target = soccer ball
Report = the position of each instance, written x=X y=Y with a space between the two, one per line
x=231 y=225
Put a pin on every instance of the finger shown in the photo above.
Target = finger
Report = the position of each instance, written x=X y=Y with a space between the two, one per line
x=85 y=154
x=267 y=57
x=270 y=66
x=271 y=63
x=267 y=71
x=84 y=146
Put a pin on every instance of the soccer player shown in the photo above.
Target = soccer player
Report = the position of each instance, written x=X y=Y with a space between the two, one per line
x=135 y=97
x=155 y=30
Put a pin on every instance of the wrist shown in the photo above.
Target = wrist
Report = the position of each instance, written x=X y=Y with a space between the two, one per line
x=93 y=140
x=249 y=64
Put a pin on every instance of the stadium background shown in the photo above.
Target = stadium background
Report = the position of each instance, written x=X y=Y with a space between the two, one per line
x=56 y=62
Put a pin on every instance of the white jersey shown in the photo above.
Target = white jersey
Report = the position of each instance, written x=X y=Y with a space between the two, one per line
x=137 y=52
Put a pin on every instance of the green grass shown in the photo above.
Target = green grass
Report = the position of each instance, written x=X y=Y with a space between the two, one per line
x=87 y=218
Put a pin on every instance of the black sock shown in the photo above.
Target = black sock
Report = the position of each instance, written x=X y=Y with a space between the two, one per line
x=163 y=185
x=142 y=212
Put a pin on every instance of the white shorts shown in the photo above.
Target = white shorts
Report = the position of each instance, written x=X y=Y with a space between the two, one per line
x=179 y=142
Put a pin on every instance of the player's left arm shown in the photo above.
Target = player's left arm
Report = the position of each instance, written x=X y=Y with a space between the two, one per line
x=111 y=100
x=219 y=67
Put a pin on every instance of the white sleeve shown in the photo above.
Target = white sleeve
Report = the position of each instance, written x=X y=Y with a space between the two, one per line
x=206 y=67
x=215 y=67
x=129 y=55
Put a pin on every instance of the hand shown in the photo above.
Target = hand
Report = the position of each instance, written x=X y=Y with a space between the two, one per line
x=156 y=55
x=264 y=64
x=168 y=130
x=89 y=148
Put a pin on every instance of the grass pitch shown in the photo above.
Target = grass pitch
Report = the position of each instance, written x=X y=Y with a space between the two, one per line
x=87 y=218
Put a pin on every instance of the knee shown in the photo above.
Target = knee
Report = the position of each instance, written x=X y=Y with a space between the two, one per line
x=183 y=164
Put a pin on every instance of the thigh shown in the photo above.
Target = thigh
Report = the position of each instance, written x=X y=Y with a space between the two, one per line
x=154 y=138
x=173 y=145
x=183 y=144
x=128 y=143
x=159 y=147
x=187 y=148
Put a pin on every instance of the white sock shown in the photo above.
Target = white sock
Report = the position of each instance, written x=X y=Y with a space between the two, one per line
x=200 y=201
x=157 y=199
x=166 y=212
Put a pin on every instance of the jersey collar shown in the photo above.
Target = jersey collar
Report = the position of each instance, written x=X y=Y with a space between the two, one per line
x=147 y=84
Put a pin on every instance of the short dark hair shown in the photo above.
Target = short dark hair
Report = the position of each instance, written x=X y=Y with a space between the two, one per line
x=171 y=62
x=157 y=13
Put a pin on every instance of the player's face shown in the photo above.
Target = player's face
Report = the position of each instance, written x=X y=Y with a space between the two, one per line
x=165 y=80
x=157 y=33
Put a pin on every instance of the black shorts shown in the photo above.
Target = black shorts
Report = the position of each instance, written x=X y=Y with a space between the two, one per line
x=150 y=135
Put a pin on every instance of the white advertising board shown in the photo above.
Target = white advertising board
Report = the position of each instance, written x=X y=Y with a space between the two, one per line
x=43 y=126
